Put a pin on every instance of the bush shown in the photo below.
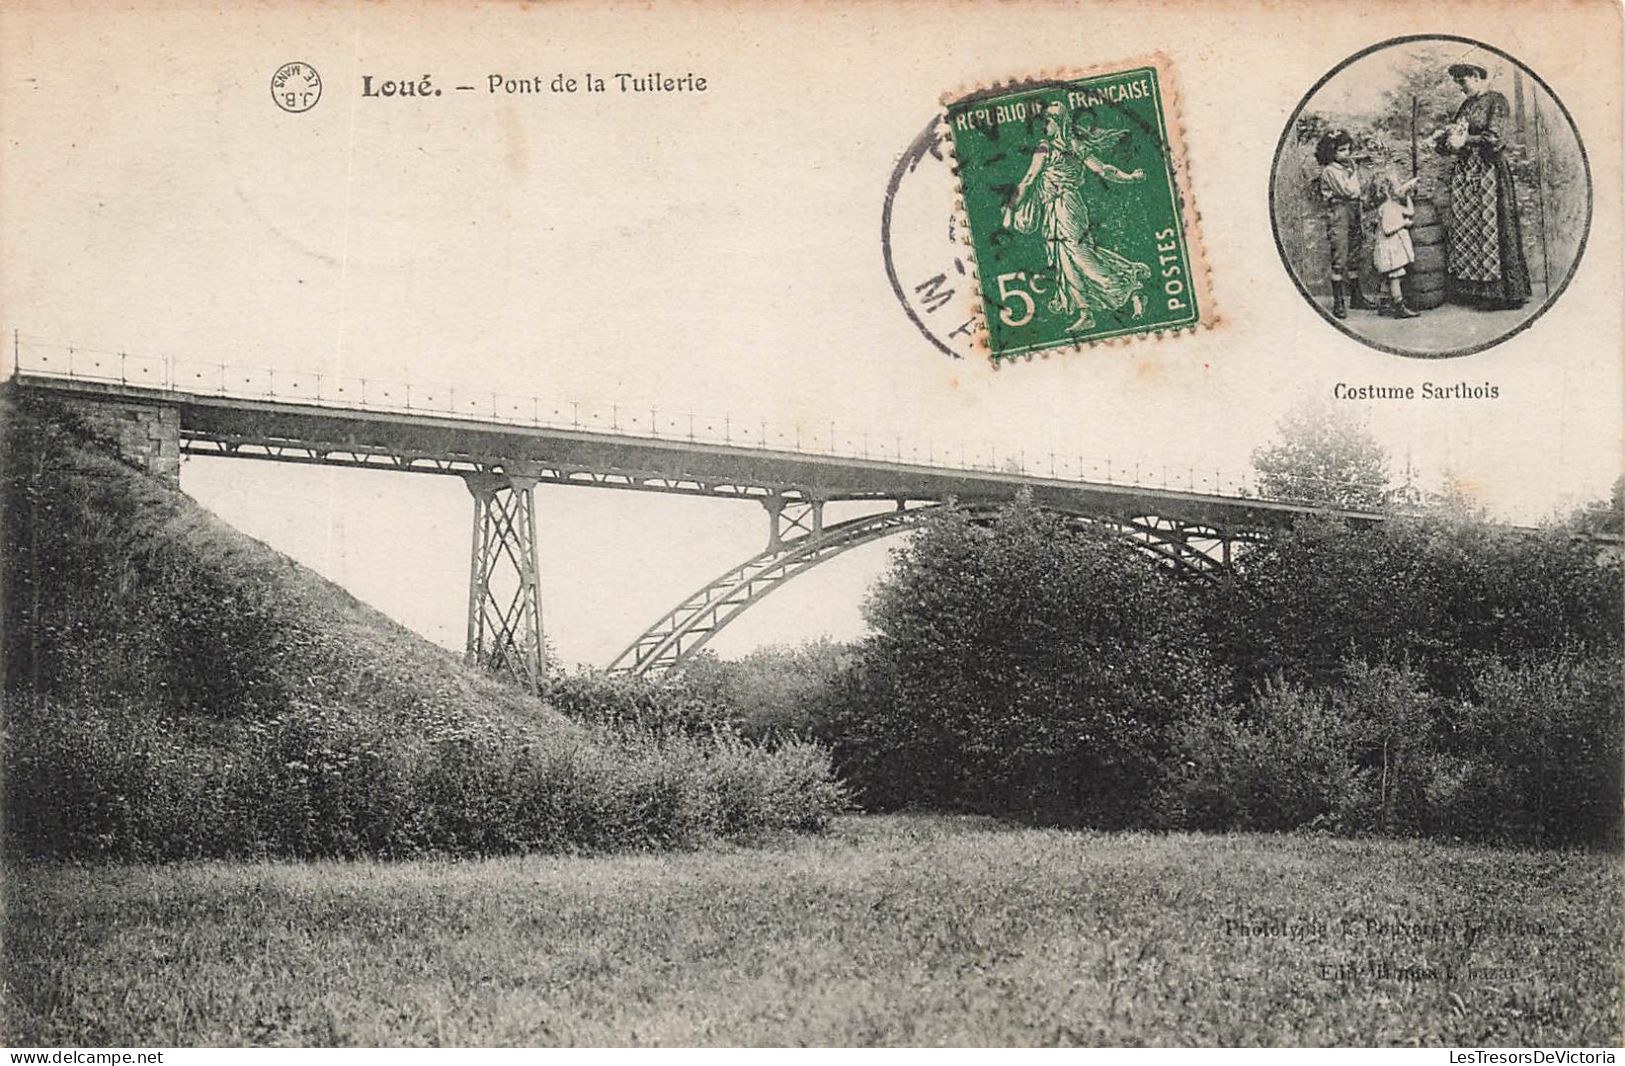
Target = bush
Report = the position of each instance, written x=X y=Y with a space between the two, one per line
x=175 y=689
x=662 y=706
x=1532 y=757
x=117 y=782
x=1436 y=593
x=1284 y=761
x=1392 y=723
x=1540 y=745
x=1023 y=667
x=774 y=693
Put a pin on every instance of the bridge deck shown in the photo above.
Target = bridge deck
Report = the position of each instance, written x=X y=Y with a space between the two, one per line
x=290 y=431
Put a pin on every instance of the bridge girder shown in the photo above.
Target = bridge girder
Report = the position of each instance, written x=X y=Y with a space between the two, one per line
x=680 y=633
x=502 y=636
x=1201 y=536
x=688 y=627
x=500 y=631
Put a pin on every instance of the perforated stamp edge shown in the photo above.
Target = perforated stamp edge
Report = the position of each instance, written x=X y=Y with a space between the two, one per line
x=1190 y=216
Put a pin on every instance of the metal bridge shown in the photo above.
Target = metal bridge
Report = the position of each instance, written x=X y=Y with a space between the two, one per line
x=503 y=446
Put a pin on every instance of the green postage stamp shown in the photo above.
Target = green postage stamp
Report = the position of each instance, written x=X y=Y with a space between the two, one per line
x=1074 y=199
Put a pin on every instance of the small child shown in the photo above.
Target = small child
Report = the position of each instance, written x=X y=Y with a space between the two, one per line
x=1341 y=193
x=1393 y=251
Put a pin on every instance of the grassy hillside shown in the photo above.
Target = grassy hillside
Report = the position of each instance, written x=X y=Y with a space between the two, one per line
x=888 y=930
x=175 y=688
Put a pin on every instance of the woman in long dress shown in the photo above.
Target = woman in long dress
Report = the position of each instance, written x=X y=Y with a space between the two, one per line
x=1049 y=200
x=1485 y=262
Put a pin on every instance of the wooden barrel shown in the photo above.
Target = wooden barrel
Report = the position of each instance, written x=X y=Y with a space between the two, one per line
x=1423 y=283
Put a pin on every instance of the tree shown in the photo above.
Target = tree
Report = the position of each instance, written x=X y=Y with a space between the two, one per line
x=1324 y=456
x=1601 y=516
x=1317 y=595
x=775 y=691
x=1022 y=666
x=1458 y=497
x=1423 y=78
x=1437 y=592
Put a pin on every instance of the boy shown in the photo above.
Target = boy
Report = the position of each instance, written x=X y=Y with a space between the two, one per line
x=1340 y=190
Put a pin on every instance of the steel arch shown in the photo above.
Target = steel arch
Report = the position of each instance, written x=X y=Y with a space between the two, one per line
x=686 y=628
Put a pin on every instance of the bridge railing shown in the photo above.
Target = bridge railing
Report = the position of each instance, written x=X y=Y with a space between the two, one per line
x=41 y=358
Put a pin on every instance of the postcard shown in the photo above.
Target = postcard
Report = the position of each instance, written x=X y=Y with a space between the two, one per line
x=373 y=368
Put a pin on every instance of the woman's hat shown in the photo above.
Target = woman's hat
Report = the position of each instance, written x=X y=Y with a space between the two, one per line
x=1464 y=70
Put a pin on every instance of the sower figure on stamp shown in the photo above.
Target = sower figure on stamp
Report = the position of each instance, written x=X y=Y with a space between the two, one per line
x=1342 y=193
x=1049 y=199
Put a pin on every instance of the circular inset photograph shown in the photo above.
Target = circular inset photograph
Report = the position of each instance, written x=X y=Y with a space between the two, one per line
x=1430 y=196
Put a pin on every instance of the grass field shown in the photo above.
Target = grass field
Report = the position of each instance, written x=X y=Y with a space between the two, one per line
x=886 y=930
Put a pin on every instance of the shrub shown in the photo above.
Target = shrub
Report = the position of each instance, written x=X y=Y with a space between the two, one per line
x=1285 y=760
x=1391 y=723
x=176 y=689
x=796 y=789
x=1024 y=667
x=1436 y=593
x=1539 y=753
x=1532 y=757
x=774 y=693
x=118 y=782
x=662 y=706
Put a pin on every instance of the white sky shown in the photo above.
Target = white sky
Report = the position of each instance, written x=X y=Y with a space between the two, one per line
x=716 y=252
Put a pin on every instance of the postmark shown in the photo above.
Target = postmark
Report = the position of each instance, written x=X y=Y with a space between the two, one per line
x=1074 y=196
x=927 y=262
x=296 y=87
